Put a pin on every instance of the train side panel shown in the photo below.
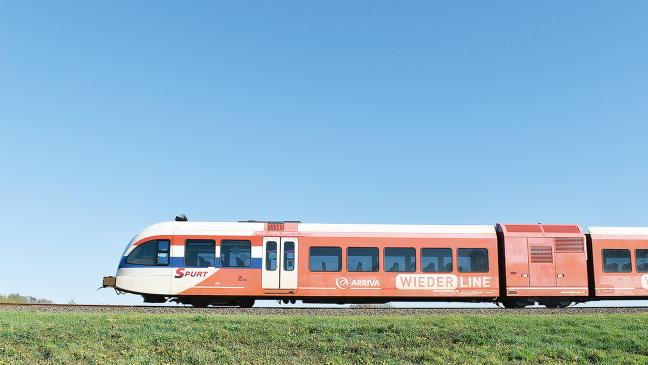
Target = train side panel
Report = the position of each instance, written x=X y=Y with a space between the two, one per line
x=620 y=261
x=418 y=280
x=543 y=260
x=218 y=279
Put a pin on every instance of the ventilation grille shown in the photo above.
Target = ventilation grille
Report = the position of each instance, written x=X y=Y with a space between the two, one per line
x=569 y=244
x=541 y=255
x=517 y=228
x=275 y=226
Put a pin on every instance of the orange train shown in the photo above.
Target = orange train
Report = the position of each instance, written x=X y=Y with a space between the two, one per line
x=236 y=263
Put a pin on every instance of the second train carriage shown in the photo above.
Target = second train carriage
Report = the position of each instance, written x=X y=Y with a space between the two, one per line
x=236 y=263
x=620 y=262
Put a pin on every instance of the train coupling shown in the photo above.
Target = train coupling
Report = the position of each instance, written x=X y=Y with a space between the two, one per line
x=109 y=282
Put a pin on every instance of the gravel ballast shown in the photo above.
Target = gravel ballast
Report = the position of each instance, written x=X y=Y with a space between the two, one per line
x=296 y=311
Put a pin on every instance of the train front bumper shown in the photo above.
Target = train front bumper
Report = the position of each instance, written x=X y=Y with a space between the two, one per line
x=109 y=282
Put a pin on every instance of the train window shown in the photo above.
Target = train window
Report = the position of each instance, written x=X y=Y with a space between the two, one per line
x=235 y=253
x=325 y=259
x=200 y=253
x=399 y=259
x=617 y=260
x=152 y=253
x=271 y=256
x=436 y=260
x=473 y=259
x=164 y=249
x=362 y=259
x=642 y=260
x=289 y=256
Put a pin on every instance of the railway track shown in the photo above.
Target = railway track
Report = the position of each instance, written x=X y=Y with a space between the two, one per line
x=311 y=311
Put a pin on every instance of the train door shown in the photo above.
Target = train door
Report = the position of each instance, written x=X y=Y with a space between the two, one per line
x=279 y=267
x=542 y=269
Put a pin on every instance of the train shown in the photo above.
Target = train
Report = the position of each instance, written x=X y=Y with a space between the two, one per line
x=513 y=265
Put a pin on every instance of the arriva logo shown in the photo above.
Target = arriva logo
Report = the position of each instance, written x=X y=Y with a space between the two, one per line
x=343 y=283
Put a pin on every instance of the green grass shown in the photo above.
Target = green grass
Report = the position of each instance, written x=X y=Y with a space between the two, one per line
x=91 y=338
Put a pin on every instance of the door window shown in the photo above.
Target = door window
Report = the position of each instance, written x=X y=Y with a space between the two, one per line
x=289 y=256
x=271 y=256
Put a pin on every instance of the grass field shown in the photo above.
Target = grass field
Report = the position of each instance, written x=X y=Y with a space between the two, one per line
x=129 y=338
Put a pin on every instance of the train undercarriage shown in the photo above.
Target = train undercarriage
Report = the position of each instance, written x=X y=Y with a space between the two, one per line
x=248 y=302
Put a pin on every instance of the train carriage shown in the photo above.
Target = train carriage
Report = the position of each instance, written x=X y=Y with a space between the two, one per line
x=236 y=263
x=204 y=263
x=620 y=256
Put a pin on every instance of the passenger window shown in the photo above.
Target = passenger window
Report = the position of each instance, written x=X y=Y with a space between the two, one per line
x=289 y=256
x=617 y=261
x=152 y=253
x=362 y=259
x=236 y=253
x=325 y=259
x=200 y=253
x=642 y=260
x=473 y=259
x=436 y=260
x=400 y=259
x=271 y=256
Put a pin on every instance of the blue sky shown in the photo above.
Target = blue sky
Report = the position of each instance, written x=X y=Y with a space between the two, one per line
x=117 y=115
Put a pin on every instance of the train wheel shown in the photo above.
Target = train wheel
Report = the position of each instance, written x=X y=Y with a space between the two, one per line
x=246 y=303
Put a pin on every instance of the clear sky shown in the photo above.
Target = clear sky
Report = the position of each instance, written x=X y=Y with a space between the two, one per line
x=115 y=115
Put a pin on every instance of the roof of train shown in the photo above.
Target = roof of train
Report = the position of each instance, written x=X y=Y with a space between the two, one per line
x=396 y=228
x=619 y=231
x=250 y=228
